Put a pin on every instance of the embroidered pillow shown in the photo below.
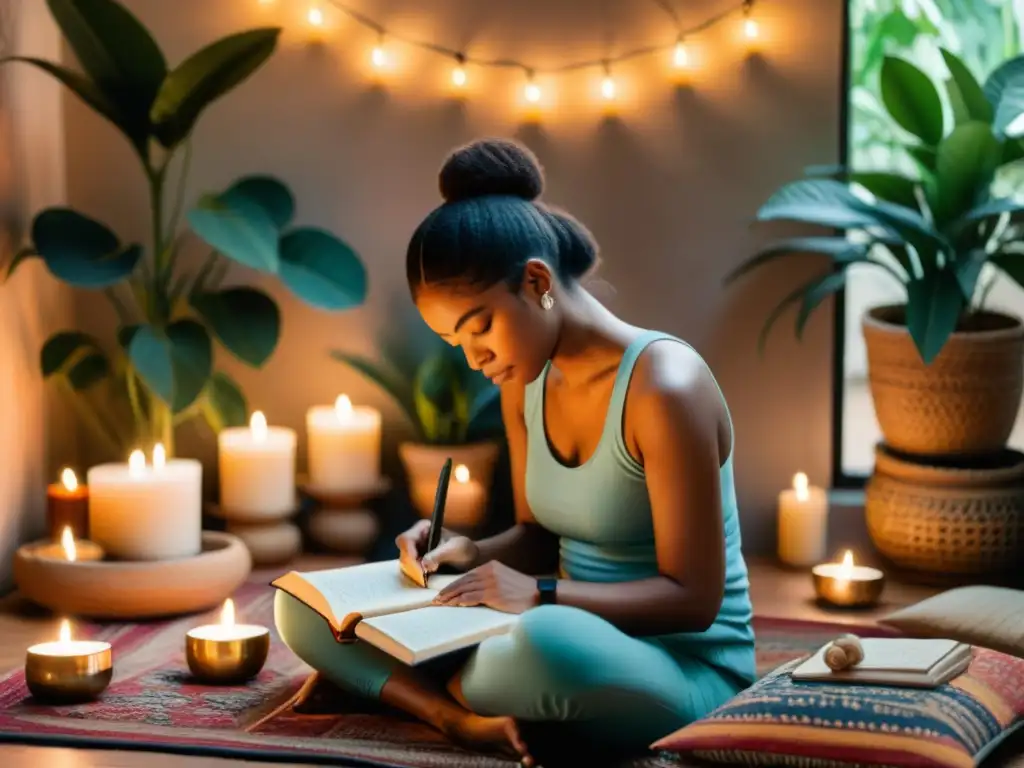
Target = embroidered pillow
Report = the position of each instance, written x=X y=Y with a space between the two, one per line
x=780 y=722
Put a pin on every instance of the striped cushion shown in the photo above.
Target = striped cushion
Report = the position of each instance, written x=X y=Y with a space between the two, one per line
x=780 y=722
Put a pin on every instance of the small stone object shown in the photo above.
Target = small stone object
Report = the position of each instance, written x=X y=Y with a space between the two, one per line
x=844 y=652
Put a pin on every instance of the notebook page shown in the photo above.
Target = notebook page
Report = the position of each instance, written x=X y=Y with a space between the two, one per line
x=904 y=654
x=438 y=628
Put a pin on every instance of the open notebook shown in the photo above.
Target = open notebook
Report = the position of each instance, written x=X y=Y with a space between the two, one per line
x=377 y=603
x=900 y=661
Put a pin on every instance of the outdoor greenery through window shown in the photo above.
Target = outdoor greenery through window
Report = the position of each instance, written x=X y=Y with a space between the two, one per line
x=984 y=34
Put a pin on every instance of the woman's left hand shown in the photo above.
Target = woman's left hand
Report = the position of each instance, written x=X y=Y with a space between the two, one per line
x=492 y=584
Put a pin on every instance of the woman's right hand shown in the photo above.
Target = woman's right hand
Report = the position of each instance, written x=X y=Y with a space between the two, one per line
x=453 y=550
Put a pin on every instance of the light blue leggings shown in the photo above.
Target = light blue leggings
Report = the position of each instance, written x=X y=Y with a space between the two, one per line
x=558 y=664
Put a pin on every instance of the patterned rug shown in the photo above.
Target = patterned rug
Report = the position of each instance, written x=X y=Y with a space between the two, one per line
x=152 y=703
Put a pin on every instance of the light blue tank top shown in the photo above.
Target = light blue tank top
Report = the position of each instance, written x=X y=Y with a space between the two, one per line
x=602 y=513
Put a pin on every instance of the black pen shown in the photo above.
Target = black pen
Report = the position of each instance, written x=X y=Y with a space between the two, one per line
x=440 y=497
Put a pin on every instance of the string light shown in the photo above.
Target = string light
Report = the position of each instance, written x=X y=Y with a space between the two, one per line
x=379 y=57
x=680 y=55
x=608 y=84
x=459 y=72
x=532 y=91
x=315 y=15
x=750 y=28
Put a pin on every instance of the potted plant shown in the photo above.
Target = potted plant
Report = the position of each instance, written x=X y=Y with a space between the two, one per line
x=160 y=370
x=945 y=372
x=454 y=411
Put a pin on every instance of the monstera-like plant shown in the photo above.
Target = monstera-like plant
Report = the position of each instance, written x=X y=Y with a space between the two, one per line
x=160 y=370
x=945 y=371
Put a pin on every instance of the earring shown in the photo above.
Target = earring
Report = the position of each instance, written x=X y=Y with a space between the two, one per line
x=547 y=301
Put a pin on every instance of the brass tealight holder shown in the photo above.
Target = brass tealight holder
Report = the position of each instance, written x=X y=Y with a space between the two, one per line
x=847 y=585
x=227 y=653
x=68 y=671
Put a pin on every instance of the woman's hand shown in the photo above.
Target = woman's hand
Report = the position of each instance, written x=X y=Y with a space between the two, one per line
x=492 y=584
x=457 y=551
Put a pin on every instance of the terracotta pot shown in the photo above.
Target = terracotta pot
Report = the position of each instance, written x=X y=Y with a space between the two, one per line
x=964 y=403
x=423 y=463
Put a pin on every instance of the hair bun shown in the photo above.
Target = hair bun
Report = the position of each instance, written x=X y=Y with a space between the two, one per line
x=491 y=167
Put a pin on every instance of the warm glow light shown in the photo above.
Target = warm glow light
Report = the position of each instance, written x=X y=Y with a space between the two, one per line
x=459 y=76
x=67 y=541
x=68 y=479
x=846 y=568
x=608 y=87
x=750 y=29
x=532 y=93
x=315 y=16
x=800 y=486
x=680 y=56
x=343 y=406
x=461 y=473
x=64 y=635
x=227 y=613
x=258 y=425
x=159 y=456
x=136 y=463
x=378 y=57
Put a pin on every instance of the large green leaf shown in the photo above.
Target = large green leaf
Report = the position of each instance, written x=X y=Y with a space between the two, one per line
x=1010 y=107
x=80 y=250
x=965 y=90
x=116 y=51
x=966 y=164
x=839 y=249
x=825 y=202
x=270 y=194
x=206 y=76
x=816 y=294
x=994 y=207
x=934 y=304
x=968 y=270
x=997 y=81
x=238 y=227
x=912 y=99
x=223 y=403
x=894 y=187
x=908 y=223
x=75 y=355
x=176 y=364
x=322 y=270
x=90 y=94
x=245 y=320
x=398 y=388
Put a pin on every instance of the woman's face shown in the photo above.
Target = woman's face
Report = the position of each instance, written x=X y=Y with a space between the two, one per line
x=506 y=336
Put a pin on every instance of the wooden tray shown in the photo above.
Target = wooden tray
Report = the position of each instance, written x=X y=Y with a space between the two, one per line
x=131 y=590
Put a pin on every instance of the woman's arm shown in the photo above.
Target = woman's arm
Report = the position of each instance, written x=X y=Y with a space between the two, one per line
x=527 y=547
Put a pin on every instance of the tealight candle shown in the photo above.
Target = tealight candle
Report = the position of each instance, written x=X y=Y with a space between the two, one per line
x=140 y=512
x=344 y=447
x=68 y=670
x=67 y=504
x=465 y=503
x=257 y=469
x=227 y=652
x=846 y=584
x=71 y=550
x=803 y=523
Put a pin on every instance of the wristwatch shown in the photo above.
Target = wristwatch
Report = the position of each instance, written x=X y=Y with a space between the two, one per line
x=548 y=589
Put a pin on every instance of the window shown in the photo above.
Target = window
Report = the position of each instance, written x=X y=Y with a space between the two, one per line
x=984 y=33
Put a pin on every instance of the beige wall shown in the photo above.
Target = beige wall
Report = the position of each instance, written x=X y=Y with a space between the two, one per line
x=669 y=189
x=32 y=305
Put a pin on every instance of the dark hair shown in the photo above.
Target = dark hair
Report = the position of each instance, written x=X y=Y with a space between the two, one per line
x=491 y=223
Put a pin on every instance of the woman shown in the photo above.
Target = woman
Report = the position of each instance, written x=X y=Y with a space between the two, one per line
x=625 y=557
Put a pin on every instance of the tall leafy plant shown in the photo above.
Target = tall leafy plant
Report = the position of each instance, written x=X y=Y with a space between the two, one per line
x=933 y=230
x=161 y=368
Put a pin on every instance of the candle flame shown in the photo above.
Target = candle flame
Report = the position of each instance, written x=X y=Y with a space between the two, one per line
x=65 y=631
x=159 y=456
x=227 y=614
x=846 y=568
x=462 y=473
x=258 y=425
x=67 y=541
x=800 y=486
x=343 y=406
x=136 y=463
x=67 y=477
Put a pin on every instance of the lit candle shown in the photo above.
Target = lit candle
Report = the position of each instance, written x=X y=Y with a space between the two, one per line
x=70 y=550
x=847 y=584
x=227 y=652
x=67 y=504
x=257 y=469
x=344 y=447
x=68 y=670
x=803 y=523
x=465 y=503
x=147 y=512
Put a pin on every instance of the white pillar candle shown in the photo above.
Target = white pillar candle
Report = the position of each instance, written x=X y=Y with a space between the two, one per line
x=344 y=447
x=803 y=523
x=257 y=469
x=140 y=512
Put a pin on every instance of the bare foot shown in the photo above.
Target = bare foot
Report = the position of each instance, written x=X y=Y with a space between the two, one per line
x=500 y=734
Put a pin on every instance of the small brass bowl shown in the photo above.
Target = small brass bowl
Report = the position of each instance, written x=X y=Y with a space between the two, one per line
x=68 y=676
x=863 y=589
x=227 y=659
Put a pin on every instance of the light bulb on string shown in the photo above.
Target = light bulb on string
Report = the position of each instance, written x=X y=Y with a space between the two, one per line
x=532 y=91
x=608 y=84
x=680 y=55
x=378 y=56
x=459 y=72
x=315 y=16
x=751 y=31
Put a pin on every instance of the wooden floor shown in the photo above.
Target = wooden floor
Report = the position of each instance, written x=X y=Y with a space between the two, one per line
x=774 y=592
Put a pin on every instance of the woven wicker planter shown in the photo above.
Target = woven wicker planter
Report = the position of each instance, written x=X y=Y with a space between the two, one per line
x=965 y=402
x=950 y=518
